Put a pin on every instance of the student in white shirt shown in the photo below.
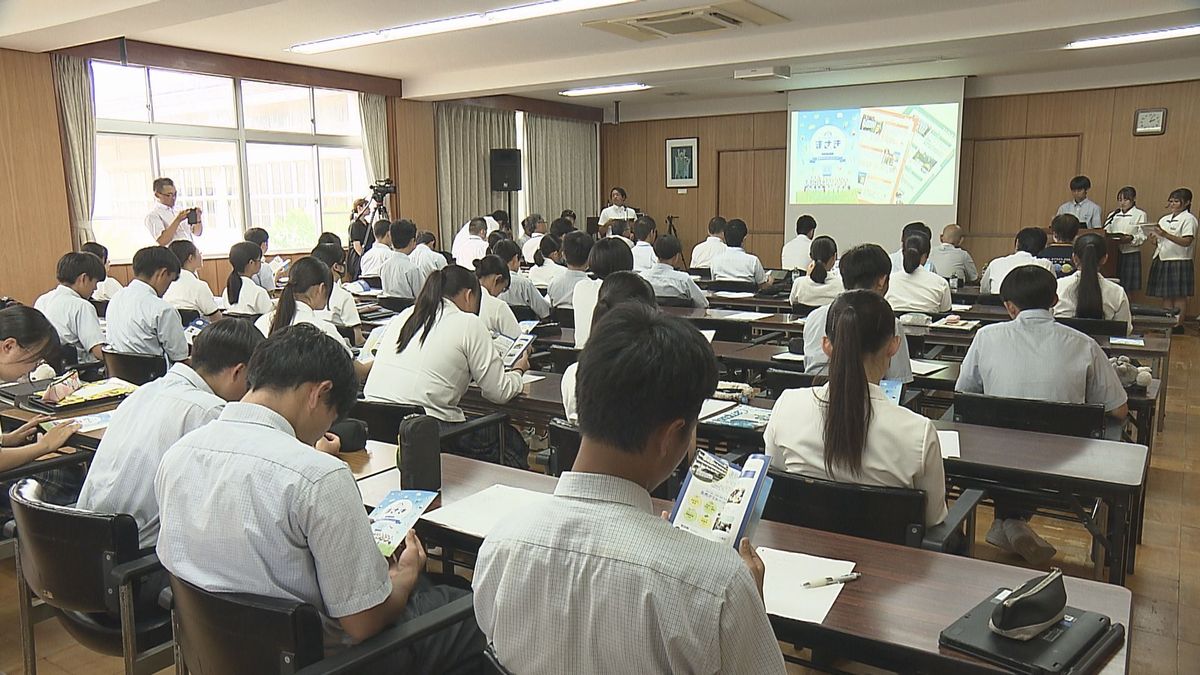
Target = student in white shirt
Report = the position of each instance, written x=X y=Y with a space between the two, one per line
x=645 y=233
x=576 y=249
x=547 y=262
x=473 y=246
x=164 y=222
x=495 y=278
x=607 y=256
x=242 y=295
x=668 y=601
x=138 y=320
x=107 y=288
x=380 y=252
x=1126 y=225
x=848 y=430
x=434 y=350
x=734 y=264
x=73 y=316
x=822 y=284
x=1172 y=276
x=916 y=227
x=342 y=312
x=1086 y=294
x=265 y=277
x=400 y=275
x=705 y=251
x=1028 y=243
x=425 y=256
x=795 y=253
x=1086 y=210
x=28 y=339
x=188 y=292
x=617 y=210
x=950 y=260
x=534 y=228
x=914 y=288
x=665 y=277
x=521 y=291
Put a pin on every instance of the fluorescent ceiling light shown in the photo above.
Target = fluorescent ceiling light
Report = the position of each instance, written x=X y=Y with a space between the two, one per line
x=1131 y=38
x=605 y=89
x=495 y=17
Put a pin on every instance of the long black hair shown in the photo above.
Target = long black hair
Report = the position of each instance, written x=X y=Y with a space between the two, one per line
x=439 y=285
x=823 y=249
x=915 y=246
x=305 y=273
x=492 y=264
x=860 y=323
x=1089 y=253
x=547 y=245
x=241 y=254
x=32 y=331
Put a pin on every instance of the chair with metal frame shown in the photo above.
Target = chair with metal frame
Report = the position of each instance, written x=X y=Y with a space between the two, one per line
x=1065 y=419
x=134 y=368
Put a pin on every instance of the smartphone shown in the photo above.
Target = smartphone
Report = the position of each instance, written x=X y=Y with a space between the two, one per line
x=193 y=216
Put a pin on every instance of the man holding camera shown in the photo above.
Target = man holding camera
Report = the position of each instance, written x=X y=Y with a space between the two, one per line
x=165 y=223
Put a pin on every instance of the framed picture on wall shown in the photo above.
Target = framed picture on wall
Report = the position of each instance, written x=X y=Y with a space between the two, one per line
x=1150 y=121
x=683 y=155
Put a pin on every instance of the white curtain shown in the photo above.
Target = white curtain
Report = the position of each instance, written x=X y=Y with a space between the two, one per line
x=465 y=136
x=77 y=117
x=372 y=108
x=563 y=160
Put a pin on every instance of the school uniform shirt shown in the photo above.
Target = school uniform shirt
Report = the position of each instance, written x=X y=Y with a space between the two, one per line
x=1035 y=357
x=543 y=275
x=670 y=601
x=816 y=363
x=427 y=259
x=401 y=277
x=252 y=299
x=583 y=302
x=342 y=311
x=901 y=448
x=951 y=261
x=734 y=264
x=465 y=230
x=570 y=403
x=1112 y=296
x=795 y=254
x=643 y=256
x=140 y=322
x=245 y=507
x=435 y=372
x=468 y=250
x=1182 y=225
x=614 y=212
x=1086 y=211
x=265 y=278
x=1129 y=222
x=561 y=291
x=497 y=315
x=531 y=245
x=897 y=258
x=141 y=431
x=304 y=314
x=522 y=293
x=106 y=289
x=921 y=291
x=189 y=292
x=994 y=273
x=669 y=282
x=704 y=252
x=73 y=318
x=1061 y=257
x=805 y=291
x=372 y=262
x=161 y=217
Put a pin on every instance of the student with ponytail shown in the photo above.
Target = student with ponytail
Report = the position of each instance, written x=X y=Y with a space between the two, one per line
x=1086 y=294
x=434 y=350
x=495 y=278
x=848 y=430
x=913 y=288
x=241 y=293
x=822 y=284
x=189 y=292
x=547 y=261
x=521 y=291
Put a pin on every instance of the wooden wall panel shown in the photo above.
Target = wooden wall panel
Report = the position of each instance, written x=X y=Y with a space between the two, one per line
x=1000 y=117
x=34 y=224
x=770 y=178
x=412 y=137
x=1047 y=161
x=995 y=186
x=966 y=161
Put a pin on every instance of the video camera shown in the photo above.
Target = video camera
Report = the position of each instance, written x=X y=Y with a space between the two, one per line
x=381 y=188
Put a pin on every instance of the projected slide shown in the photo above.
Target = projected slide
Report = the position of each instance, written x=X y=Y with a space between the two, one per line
x=886 y=155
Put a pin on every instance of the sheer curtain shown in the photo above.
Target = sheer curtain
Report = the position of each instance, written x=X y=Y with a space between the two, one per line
x=563 y=160
x=77 y=117
x=465 y=136
x=372 y=108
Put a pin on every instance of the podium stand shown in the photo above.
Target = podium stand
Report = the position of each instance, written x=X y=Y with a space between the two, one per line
x=1109 y=268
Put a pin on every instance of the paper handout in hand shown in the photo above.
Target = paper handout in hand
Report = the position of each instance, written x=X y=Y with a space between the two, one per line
x=396 y=515
x=722 y=502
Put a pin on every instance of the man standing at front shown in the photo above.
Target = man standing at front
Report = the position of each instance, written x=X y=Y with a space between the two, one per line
x=167 y=224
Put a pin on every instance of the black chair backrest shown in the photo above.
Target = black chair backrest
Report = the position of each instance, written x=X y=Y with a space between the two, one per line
x=240 y=634
x=564 y=438
x=916 y=345
x=373 y=282
x=186 y=316
x=134 y=368
x=776 y=380
x=1096 y=327
x=383 y=419
x=395 y=304
x=736 y=286
x=1064 y=419
x=563 y=316
x=802 y=310
x=673 y=302
x=991 y=299
x=561 y=357
x=101 y=307
x=247 y=317
x=523 y=313
x=726 y=331
x=67 y=553
x=69 y=356
x=702 y=272
x=893 y=515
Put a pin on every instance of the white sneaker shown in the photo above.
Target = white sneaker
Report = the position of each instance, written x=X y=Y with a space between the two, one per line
x=996 y=536
x=1035 y=550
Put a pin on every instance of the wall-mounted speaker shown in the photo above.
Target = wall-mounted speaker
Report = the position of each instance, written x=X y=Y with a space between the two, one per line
x=506 y=170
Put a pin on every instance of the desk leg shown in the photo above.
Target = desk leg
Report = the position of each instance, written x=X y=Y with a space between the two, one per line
x=1165 y=362
x=1118 y=532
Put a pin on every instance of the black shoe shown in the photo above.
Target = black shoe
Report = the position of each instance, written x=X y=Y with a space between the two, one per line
x=1177 y=330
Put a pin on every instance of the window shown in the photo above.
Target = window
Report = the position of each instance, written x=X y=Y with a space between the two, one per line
x=293 y=164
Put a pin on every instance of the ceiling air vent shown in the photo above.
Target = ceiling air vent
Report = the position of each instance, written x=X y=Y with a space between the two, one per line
x=707 y=19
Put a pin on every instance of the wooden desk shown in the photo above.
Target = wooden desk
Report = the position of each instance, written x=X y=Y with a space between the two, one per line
x=891 y=616
x=756 y=304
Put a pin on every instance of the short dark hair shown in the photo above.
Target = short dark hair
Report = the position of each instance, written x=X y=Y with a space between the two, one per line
x=561 y=226
x=160 y=183
x=916 y=227
x=667 y=247
x=620 y=191
x=224 y=344
x=608 y=256
x=643 y=226
x=1127 y=192
x=403 y=231
x=1065 y=227
x=618 y=226
x=381 y=228
x=300 y=354
x=1081 y=183
x=576 y=248
x=639 y=359
x=329 y=238
x=1031 y=240
x=735 y=232
x=506 y=250
x=97 y=249
x=805 y=224
x=257 y=235
x=1029 y=287
x=500 y=216
x=148 y=261
x=330 y=254
x=863 y=266
x=183 y=250
x=477 y=225
x=426 y=237
x=71 y=265
x=717 y=225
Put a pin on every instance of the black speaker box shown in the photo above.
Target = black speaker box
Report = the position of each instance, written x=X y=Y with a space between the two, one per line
x=506 y=170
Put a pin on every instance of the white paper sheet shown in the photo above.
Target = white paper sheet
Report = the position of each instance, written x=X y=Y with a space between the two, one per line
x=783 y=586
x=949 y=442
x=746 y=316
x=530 y=378
x=734 y=295
x=788 y=356
x=478 y=514
x=960 y=308
x=926 y=367
x=712 y=406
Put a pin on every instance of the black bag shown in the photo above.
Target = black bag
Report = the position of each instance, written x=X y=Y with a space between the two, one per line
x=1032 y=608
x=419 y=453
x=352 y=432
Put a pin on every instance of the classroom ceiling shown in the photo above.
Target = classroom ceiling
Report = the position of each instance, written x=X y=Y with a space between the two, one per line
x=825 y=42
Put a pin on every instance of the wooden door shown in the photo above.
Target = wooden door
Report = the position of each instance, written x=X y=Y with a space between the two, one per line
x=752 y=186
